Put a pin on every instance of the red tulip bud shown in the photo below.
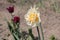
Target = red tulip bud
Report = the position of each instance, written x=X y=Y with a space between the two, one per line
x=16 y=19
x=10 y=9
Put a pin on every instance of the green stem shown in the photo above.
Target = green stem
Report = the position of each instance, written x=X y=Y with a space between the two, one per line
x=39 y=38
x=42 y=32
x=16 y=37
x=30 y=33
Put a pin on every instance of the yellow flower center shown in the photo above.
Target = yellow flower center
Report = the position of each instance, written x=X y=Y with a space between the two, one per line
x=33 y=17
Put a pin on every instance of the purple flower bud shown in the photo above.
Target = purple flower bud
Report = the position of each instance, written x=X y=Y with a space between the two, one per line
x=10 y=9
x=16 y=19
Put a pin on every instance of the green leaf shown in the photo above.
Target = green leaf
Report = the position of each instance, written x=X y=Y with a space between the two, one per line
x=10 y=25
x=16 y=36
x=31 y=34
x=29 y=38
x=52 y=37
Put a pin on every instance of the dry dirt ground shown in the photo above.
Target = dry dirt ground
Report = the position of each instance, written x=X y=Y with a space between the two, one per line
x=50 y=18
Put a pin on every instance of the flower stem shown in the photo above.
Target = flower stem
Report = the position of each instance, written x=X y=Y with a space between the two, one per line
x=16 y=36
x=39 y=38
x=42 y=32
x=30 y=33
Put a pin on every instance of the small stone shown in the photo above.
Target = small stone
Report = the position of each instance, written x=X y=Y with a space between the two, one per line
x=4 y=39
x=8 y=35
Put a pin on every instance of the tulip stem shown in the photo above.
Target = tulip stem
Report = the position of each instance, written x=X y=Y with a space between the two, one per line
x=42 y=32
x=39 y=38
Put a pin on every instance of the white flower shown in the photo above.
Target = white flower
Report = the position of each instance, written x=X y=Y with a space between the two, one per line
x=32 y=17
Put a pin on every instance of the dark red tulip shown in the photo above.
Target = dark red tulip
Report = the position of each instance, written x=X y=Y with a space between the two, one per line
x=10 y=9
x=16 y=19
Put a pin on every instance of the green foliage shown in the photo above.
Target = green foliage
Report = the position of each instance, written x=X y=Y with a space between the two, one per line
x=30 y=33
x=29 y=38
x=52 y=37
x=40 y=3
x=20 y=35
x=11 y=1
x=56 y=6
x=14 y=31
x=23 y=2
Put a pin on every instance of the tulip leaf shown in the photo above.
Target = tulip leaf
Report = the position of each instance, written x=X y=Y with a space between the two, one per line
x=10 y=24
x=15 y=36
